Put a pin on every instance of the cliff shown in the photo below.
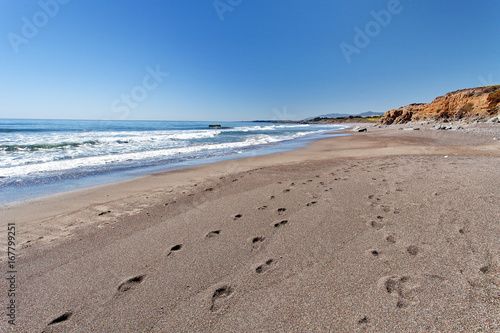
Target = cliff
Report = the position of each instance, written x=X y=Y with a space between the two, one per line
x=481 y=102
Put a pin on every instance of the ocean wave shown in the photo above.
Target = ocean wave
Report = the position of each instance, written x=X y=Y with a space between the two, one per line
x=46 y=146
x=96 y=161
x=24 y=154
x=267 y=127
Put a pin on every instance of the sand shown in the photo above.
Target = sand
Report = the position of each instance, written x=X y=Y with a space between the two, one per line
x=384 y=231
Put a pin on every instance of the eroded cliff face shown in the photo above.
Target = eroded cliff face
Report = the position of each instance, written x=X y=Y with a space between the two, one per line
x=482 y=102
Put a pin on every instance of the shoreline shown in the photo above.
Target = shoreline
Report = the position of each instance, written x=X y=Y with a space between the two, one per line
x=356 y=145
x=370 y=226
x=78 y=178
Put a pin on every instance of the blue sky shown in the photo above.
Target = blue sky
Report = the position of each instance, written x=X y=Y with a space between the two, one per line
x=239 y=59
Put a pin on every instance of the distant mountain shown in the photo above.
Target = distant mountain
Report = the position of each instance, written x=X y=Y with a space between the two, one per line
x=370 y=114
x=342 y=115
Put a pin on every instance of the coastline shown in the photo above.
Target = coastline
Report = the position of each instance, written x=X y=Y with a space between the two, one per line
x=98 y=158
x=363 y=246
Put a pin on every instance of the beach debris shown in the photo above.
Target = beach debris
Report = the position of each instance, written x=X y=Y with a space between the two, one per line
x=444 y=127
x=359 y=129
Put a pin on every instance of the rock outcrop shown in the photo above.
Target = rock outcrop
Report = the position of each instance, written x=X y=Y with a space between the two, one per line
x=480 y=103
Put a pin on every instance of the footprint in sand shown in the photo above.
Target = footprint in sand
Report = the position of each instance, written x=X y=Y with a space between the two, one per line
x=262 y=207
x=400 y=287
x=281 y=210
x=385 y=208
x=391 y=239
x=376 y=225
x=65 y=316
x=485 y=269
x=264 y=267
x=311 y=203
x=219 y=297
x=130 y=283
x=256 y=242
x=237 y=216
x=174 y=249
x=104 y=213
x=213 y=234
x=281 y=223
x=412 y=250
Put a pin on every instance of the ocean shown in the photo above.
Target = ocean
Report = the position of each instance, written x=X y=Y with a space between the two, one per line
x=41 y=157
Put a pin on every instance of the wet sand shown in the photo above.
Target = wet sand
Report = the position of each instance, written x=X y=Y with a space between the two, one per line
x=389 y=230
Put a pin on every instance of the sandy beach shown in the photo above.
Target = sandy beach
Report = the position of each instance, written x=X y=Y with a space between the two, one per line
x=384 y=231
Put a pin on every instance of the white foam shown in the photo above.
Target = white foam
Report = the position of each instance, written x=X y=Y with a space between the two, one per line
x=128 y=146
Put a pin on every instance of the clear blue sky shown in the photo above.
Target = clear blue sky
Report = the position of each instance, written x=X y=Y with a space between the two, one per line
x=238 y=59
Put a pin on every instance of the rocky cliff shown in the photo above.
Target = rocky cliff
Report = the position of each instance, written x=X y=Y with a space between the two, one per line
x=479 y=103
